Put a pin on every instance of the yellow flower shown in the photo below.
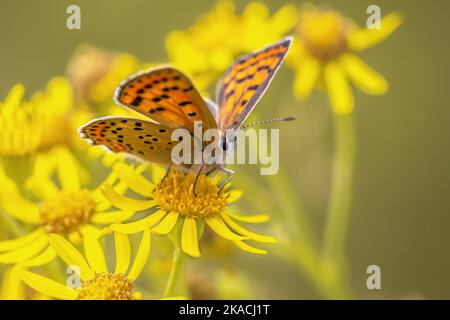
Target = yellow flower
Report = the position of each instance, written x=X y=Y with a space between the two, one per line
x=12 y=287
x=21 y=130
x=96 y=282
x=37 y=126
x=324 y=53
x=87 y=66
x=95 y=73
x=175 y=202
x=55 y=107
x=206 y=49
x=68 y=209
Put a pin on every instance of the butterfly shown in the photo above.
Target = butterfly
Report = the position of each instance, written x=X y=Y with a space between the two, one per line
x=170 y=100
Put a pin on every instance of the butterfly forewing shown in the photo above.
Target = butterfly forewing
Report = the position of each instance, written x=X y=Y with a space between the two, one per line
x=143 y=139
x=246 y=81
x=166 y=96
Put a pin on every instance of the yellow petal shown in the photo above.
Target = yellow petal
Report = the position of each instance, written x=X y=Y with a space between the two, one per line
x=189 y=238
x=138 y=225
x=89 y=229
x=26 y=252
x=167 y=224
x=364 y=77
x=141 y=256
x=158 y=172
x=8 y=245
x=234 y=195
x=241 y=230
x=102 y=203
x=111 y=217
x=135 y=182
x=68 y=171
x=111 y=179
x=44 y=164
x=13 y=99
x=45 y=257
x=12 y=286
x=155 y=217
x=219 y=227
x=243 y=246
x=42 y=187
x=123 y=202
x=249 y=219
x=306 y=78
x=339 y=89
x=130 y=228
x=123 y=252
x=22 y=209
x=285 y=18
x=109 y=159
x=94 y=253
x=71 y=256
x=363 y=38
x=47 y=286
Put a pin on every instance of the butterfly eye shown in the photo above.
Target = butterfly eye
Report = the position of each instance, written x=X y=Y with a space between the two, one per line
x=224 y=144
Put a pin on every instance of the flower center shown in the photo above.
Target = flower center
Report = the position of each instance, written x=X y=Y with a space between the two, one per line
x=175 y=193
x=323 y=33
x=107 y=286
x=67 y=211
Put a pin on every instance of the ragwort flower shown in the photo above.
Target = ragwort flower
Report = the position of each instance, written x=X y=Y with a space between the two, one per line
x=176 y=205
x=40 y=126
x=207 y=48
x=97 y=283
x=69 y=209
x=325 y=53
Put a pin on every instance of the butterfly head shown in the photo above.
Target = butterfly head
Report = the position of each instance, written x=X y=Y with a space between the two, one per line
x=228 y=142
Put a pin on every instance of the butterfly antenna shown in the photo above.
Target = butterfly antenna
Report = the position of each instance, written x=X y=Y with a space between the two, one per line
x=280 y=119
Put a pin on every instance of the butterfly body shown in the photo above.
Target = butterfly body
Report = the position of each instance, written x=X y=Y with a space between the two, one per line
x=169 y=99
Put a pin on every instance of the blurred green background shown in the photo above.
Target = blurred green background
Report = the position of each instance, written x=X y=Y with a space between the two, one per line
x=400 y=216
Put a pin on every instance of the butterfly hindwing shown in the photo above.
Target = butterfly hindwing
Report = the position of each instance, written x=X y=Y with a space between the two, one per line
x=143 y=139
x=166 y=96
x=246 y=81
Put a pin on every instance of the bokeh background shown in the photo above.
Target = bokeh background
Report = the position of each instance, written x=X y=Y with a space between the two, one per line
x=400 y=211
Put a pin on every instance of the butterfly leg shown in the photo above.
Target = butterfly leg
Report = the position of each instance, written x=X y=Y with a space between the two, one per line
x=210 y=171
x=230 y=175
x=196 y=178
x=167 y=172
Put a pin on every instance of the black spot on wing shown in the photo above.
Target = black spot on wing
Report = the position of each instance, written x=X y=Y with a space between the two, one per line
x=136 y=102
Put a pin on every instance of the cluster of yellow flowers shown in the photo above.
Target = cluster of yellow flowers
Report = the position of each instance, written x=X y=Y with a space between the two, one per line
x=49 y=208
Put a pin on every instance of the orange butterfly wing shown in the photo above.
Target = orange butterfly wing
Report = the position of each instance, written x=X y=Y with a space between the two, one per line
x=245 y=82
x=166 y=96
x=143 y=139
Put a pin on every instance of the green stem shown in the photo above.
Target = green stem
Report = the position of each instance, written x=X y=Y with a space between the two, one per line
x=177 y=263
x=292 y=207
x=304 y=254
x=341 y=187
